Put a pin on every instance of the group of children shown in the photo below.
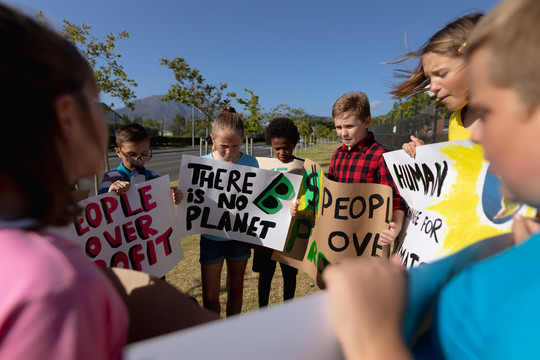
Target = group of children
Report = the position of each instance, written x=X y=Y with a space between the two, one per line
x=358 y=160
x=55 y=304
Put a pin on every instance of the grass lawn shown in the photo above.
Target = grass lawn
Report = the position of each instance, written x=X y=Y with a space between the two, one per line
x=186 y=276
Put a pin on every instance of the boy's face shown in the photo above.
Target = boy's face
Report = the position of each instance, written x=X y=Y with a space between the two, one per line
x=508 y=130
x=351 y=130
x=283 y=148
x=134 y=153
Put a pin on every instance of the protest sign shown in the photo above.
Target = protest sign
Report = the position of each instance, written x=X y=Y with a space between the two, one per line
x=133 y=231
x=453 y=200
x=298 y=329
x=335 y=221
x=235 y=201
x=294 y=167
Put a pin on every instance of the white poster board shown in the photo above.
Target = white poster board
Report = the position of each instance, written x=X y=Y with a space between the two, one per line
x=454 y=201
x=235 y=201
x=132 y=231
x=298 y=329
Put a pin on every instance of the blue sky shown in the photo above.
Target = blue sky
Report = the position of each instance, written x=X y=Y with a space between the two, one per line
x=297 y=52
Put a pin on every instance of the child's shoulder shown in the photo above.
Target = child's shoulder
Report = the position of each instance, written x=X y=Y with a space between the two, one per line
x=248 y=160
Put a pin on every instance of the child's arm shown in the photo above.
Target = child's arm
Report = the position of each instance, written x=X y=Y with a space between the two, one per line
x=120 y=187
x=389 y=235
x=366 y=314
x=177 y=195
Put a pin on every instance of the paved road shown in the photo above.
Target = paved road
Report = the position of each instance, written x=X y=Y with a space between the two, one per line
x=164 y=162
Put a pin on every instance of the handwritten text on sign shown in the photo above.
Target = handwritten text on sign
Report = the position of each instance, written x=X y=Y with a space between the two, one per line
x=335 y=221
x=235 y=202
x=454 y=201
x=132 y=231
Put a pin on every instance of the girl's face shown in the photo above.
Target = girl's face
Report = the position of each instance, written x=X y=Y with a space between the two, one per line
x=508 y=130
x=448 y=79
x=227 y=144
x=87 y=147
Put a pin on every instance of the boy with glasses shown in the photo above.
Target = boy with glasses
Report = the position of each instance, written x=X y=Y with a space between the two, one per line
x=133 y=148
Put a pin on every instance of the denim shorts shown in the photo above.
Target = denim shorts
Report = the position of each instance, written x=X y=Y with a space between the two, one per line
x=214 y=251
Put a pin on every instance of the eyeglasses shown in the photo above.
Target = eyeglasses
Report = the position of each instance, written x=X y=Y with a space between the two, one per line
x=145 y=157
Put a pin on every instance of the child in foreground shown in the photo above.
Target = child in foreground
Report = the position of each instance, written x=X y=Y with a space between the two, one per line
x=489 y=310
x=133 y=148
x=282 y=135
x=359 y=159
x=227 y=137
x=55 y=303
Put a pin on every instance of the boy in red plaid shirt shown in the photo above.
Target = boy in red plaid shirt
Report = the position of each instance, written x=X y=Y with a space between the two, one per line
x=359 y=159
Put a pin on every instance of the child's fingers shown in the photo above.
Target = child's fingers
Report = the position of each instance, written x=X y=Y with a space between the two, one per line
x=293 y=208
x=120 y=187
x=523 y=228
x=386 y=237
x=416 y=141
x=177 y=195
x=410 y=147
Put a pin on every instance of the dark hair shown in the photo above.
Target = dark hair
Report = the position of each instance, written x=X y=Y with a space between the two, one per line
x=131 y=133
x=281 y=127
x=449 y=41
x=226 y=120
x=36 y=66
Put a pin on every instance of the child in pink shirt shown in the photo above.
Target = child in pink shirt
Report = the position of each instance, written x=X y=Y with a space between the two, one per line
x=54 y=303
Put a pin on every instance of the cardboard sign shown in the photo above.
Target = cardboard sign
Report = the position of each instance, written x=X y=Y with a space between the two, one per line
x=454 y=201
x=298 y=329
x=294 y=167
x=132 y=231
x=335 y=221
x=235 y=201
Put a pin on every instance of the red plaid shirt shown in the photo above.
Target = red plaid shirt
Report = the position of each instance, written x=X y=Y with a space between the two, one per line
x=364 y=163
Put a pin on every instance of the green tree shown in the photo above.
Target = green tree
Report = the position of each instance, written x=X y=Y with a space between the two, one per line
x=414 y=105
x=252 y=124
x=304 y=129
x=149 y=123
x=191 y=88
x=178 y=127
x=282 y=110
x=110 y=75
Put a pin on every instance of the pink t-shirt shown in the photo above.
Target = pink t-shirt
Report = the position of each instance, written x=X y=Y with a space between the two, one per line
x=54 y=303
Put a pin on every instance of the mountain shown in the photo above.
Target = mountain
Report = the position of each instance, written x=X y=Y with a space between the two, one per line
x=153 y=108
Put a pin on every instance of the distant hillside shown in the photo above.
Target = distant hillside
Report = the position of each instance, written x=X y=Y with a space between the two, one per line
x=153 y=108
